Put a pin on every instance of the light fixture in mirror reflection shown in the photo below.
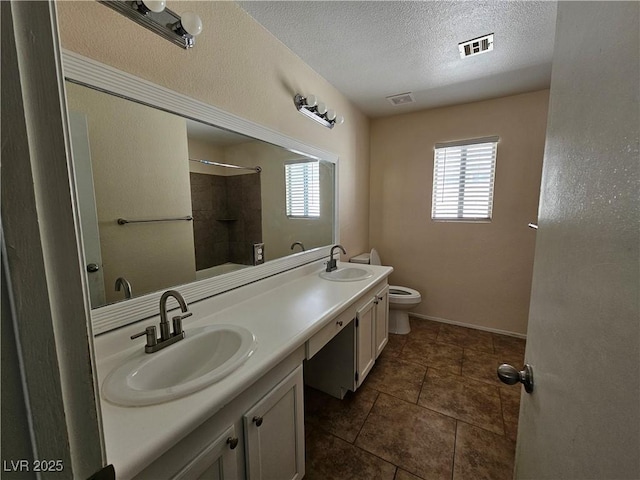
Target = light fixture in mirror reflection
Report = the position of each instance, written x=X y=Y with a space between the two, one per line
x=155 y=170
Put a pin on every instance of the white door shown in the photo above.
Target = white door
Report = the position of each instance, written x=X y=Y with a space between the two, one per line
x=582 y=420
x=87 y=206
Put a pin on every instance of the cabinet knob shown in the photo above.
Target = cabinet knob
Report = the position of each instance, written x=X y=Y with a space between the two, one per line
x=339 y=323
x=232 y=442
x=257 y=420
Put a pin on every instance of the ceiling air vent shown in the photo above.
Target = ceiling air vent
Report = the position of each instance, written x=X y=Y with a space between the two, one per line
x=476 y=46
x=401 y=98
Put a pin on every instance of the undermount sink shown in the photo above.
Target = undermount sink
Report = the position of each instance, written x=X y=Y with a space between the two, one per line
x=205 y=356
x=347 y=274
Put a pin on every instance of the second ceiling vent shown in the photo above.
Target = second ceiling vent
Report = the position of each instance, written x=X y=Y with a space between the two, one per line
x=476 y=46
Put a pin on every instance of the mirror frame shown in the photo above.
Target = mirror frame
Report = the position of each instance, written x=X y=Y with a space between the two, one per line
x=90 y=73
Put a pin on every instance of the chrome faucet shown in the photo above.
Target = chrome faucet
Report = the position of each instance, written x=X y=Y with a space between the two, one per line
x=177 y=321
x=299 y=244
x=166 y=337
x=122 y=282
x=332 y=264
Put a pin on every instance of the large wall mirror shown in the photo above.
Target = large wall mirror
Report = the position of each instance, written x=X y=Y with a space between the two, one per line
x=165 y=199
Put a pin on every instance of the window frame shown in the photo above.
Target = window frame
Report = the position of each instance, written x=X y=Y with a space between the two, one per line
x=306 y=200
x=438 y=189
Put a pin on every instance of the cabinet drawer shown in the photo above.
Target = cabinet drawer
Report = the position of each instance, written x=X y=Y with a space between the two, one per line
x=320 y=339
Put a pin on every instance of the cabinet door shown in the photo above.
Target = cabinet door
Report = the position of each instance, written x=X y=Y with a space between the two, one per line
x=365 y=340
x=382 y=319
x=218 y=461
x=274 y=432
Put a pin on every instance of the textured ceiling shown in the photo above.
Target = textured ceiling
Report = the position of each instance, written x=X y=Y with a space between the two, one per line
x=374 y=49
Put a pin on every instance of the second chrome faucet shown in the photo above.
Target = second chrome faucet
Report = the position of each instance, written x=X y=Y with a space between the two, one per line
x=166 y=337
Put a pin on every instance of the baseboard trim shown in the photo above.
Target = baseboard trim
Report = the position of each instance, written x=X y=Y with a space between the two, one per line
x=468 y=325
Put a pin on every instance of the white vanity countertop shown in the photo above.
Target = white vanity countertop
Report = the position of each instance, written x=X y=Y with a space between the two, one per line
x=283 y=312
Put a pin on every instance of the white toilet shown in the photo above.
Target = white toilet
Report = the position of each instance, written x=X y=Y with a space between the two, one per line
x=401 y=299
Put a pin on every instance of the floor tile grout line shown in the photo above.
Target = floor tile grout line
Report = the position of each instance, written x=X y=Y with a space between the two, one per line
x=424 y=407
x=455 y=445
x=367 y=417
x=504 y=423
x=367 y=451
x=363 y=450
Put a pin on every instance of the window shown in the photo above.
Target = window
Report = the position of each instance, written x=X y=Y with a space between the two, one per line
x=302 y=186
x=463 y=174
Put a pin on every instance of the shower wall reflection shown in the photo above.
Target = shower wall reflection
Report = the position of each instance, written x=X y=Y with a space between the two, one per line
x=227 y=220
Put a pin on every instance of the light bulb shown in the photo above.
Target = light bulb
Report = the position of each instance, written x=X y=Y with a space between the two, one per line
x=191 y=23
x=331 y=115
x=339 y=120
x=321 y=108
x=156 y=6
x=312 y=100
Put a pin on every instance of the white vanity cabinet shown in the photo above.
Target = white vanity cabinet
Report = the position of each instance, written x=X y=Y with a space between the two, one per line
x=199 y=457
x=341 y=355
x=218 y=461
x=365 y=340
x=274 y=432
x=372 y=332
x=259 y=435
x=381 y=319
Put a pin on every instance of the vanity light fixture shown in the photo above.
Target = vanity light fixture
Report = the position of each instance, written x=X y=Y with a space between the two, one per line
x=153 y=15
x=317 y=110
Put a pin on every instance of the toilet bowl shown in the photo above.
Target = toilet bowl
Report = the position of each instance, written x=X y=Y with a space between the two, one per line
x=401 y=299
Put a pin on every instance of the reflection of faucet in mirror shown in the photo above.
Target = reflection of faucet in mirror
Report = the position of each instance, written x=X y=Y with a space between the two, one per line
x=332 y=264
x=122 y=282
x=297 y=243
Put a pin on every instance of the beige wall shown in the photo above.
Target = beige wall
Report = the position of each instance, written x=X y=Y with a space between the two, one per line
x=478 y=274
x=239 y=67
x=204 y=151
x=151 y=256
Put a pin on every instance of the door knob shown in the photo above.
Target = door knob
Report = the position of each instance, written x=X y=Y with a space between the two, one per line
x=510 y=375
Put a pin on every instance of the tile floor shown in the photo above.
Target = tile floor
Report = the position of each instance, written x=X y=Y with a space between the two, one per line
x=432 y=408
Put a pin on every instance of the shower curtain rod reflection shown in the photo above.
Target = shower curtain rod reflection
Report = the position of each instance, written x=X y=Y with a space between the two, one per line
x=228 y=165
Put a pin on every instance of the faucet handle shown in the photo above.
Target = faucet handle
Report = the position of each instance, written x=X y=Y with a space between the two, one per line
x=177 y=322
x=150 y=332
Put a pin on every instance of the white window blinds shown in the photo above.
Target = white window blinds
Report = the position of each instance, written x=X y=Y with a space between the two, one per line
x=463 y=176
x=302 y=186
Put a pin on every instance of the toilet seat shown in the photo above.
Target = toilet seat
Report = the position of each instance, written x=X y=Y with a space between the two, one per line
x=403 y=295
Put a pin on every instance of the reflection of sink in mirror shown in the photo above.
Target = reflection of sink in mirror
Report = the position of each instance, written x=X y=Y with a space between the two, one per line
x=137 y=166
x=205 y=356
x=347 y=274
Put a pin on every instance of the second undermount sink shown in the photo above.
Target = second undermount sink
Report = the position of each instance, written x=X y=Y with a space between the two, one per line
x=205 y=356
x=347 y=274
